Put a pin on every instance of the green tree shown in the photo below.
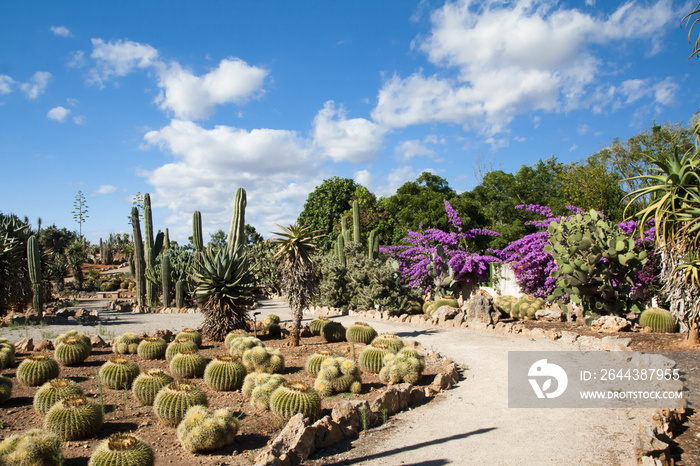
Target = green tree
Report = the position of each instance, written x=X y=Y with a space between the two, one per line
x=80 y=210
x=324 y=206
x=217 y=240
x=591 y=185
x=252 y=236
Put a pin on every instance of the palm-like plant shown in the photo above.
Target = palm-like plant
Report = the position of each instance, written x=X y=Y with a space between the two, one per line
x=295 y=246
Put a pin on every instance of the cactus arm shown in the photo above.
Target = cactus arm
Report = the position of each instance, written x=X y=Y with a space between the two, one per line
x=236 y=235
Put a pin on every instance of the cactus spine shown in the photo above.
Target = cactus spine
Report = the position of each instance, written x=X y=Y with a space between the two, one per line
x=263 y=359
x=152 y=348
x=177 y=345
x=259 y=387
x=122 y=449
x=33 y=447
x=74 y=418
x=74 y=333
x=34 y=264
x=338 y=375
x=240 y=345
x=197 y=240
x=36 y=370
x=356 y=221
x=188 y=364
x=71 y=351
x=180 y=294
x=655 y=319
x=204 y=430
x=224 y=373
x=360 y=332
x=313 y=363
x=292 y=398
x=165 y=279
x=139 y=258
x=127 y=343
x=191 y=334
x=147 y=385
x=173 y=401
x=233 y=334
x=236 y=235
x=340 y=247
x=391 y=340
x=406 y=366
x=54 y=391
x=372 y=357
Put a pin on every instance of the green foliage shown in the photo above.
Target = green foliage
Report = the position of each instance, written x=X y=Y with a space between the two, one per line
x=197 y=238
x=444 y=300
x=118 y=373
x=127 y=343
x=71 y=351
x=166 y=278
x=122 y=449
x=693 y=16
x=240 y=345
x=152 y=347
x=263 y=359
x=54 y=391
x=139 y=258
x=180 y=293
x=203 y=430
x=655 y=319
x=36 y=369
x=178 y=345
x=372 y=357
x=148 y=383
x=360 y=332
x=264 y=268
x=389 y=339
x=293 y=398
x=74 y=418
x=333 y=332
x=338 y=375
x=15 y=285
x=34 y=447
x=406 y=366
x=173 y=401
x=224 y=373
x=313 y=363
x=259 y=387
x=191 y=334
x=188 y=364
x=5 y=389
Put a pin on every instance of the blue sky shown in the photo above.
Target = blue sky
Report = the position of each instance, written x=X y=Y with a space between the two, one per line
x=190 y=100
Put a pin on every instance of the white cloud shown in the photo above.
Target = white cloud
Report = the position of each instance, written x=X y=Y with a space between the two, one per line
x=77 y=60
x=61 y=31
x=119 y=58
x=396 y=178
x=6 y=83
x=36 y=84
x=58 y=114
x=573 y=148
x=104 y=189
x=365 y=178
x=341 y=139
x=413 y=148
x=583 y=129
x=79 y=120
x=665 y=91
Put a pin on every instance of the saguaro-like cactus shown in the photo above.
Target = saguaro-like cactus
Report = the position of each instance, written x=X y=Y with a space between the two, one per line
x=34 y=263
x=344 y=229
x=197 y=240
x=180 y=293
x=340 y=247
x=236 y=235
x=356 y=221
x=165 y=278
x=139 y=258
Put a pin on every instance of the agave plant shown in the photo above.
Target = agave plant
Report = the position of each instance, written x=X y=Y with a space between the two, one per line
x=692 y=19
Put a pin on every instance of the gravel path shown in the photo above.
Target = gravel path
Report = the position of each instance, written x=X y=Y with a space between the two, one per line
x=469 y=424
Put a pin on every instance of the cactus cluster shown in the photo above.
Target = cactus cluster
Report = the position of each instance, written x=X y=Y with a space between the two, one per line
x=372 y=357
x=74 y=418
x=526 y=307
x=188 y=364
x=338 y=375
x=71 y=351
x=191 y=334
x=34 y=447
x=173 y=401
x=224 y=373
x=317 y=324
x=122 y=449
x=240 y=345
x=178 y=345
x=148 y=383
x=259 y=387
x=118 y=373
x=152 y=347
x=239 y=332
x=292 y=398
x=126 y=344
x=263 y=359
x=406 y=366
x=205 y=430
x=655 y=319
x=5 y=389
x=429 y=307
x=505 y=304
x=36 y=369
x=54 y=391
x=391 y=340
x=313 y=363
x=360 y=332
x=333 y=332
x=74 y=333
x=7 y=353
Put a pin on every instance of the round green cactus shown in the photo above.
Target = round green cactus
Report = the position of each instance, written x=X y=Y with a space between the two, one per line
x=225 y=373
x=372 y=357
x=505 y=303
x=259 y=386
x=526 y=307
x=34 y=447
x=292 y=398
x=126 y=344
x=444 y=300
x=338 y=375
x=274 y=331
x=122 y=449
x=173 y=401
x=406 y=366
x=313 y=364
x=239 y=332
x=152 y=348
x=188 y=364
x=271 y=319
x=333 y=332
x=360 y=332
x=204 y=430
x=147 y=385
x=391 y=340
x=118 y=373
x=54 y=391
x=177 y=345
x=71 y=351
x=191 y=334
x=263 y=359
x=74 y=333
x=5 y=389
x=36 y=370
x=655 y=319
x=317 y=324
x=74 y=418
x=242 y=344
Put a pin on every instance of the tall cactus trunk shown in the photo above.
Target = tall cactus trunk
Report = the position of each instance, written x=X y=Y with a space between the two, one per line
x=166 y=240
x=132 y=267
x=148 y=244
x=180 y=294
x=165 y=278
x=340 y=246
x=344 y=229
x=356 y=222
x=370 y=244
x=34 y=263
x=236 y=235
x=139 y=258
x=197 y=240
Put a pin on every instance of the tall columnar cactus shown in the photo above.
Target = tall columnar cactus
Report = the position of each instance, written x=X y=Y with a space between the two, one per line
x=132 y=266
x=74 y=418
x=370 y=244
x=188 y=364
x=36 y=370
x=173 y=401
x=344 y=229
x=356 y=232
x=204 y=430
x=54 y=391
x=259 y=387
x=360 y=332
x=340 y=248
x=147 y=385
x=292 y=398
x=34 y=264
x=122 y=449
x=338 y=375
x=236 y=235
x=180 y=294
x=166 y=240
x=655 y=319
x=165 y=271
x=149 y=247
x=139 y=258
x=5 y=389
x=197 y=239
x=224 y=373
x=118 y=373
x=263 y=359
x=33 y=447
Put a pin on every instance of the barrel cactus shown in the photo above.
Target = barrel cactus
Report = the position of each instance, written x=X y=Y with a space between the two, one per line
x=372 y=357
x=173 y=401
x=191 y=334
x=126 y=344
x=71 y=351
x=333 y=332
x=391 y=340
x=5 y=389
x=338 y=375
x=313 y=363
x=54 y=391
x=74 y=418
x=360 y=332
x=259 y=386
x=243 y=344
x=655 y=319
x=292 y=398
x=445 y=300
x=36 y=370
x=177 y=345
x=152 y=347
x=122 y=449
x=526 y=307
x=204 y=430
x=34 y=447
x=118 y=373
x=505 y=304
x=147 y=385
x=263 y=359
x=239 y=332
x=7 y=353
x=271 y=319
x=188 y=364
x=74 y=333
x=317 y=324
x=224 y=373
x=406 y=366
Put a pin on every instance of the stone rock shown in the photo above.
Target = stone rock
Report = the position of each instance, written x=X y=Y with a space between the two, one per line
x=477 y=325
x=44 y=345
x=79 y=313
x=388 y=400
x=416 y=395
x=649 y=461
x=65 y=313
x=550 y=314
x=647 y=443
x=166 y=335
x=306 y=332
x=452 y=371
x=97 y=342
x=297 y=440
x=403 y=318
x=25 y=345
x=459 y=318
x=446 y=312
x=441 y=382
x=611 y=324
x=669 y=421
x=327 y=432
x=568 y=337
x=538 y=333
x=615 y=344
x=480 y=308
x=347 y=415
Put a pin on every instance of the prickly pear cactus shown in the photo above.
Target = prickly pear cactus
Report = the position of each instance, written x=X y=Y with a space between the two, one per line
x=122 y=449
x=34 y=447
x=263 y=359
x=292 y=398
x=360 y=332
x=71 y=351
x=36 y=370
x=317 y=324
x=118 y=373
x=173 y=401
x=126 y=344
x=406 y=366
x=225 y=373
x=191 y=334
x=54 y=391
x=338 y=375
x=391 y=340
x=333 y=332
x=152 y=348
x=243 y=344
x=259 y=386
x=204 y=430
x=74 y=418
x=372 y=357
x=5 y=389
x=655 y=319
x=188 y=364
x=313 y=363
x=177 y=345
x=239 y=332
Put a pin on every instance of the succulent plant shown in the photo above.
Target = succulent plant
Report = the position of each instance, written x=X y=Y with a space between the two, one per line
x=34 y=266
x=122 y=449
x=225 y=373
x=118 y=373
x=36 y=370
x=152 y=347
x=188 y=364
x=5 y=389
x=292 y=398
x=74 y=333
x=204 y=430
x=526 y=307
x=263 y=359
x=338 y=375
x=34 y=447
x=177 y=345
x=360 y=332
x=126 y=344
x=54 y=391
x=333 y=332
x=7 y=353
x=445 y=300
x=505 y=304
x=313 y=363
x=406 y=366
x=372 y=357
x=271 y=319
x=655 y=319
x=391 y=340
x=258 y=386
x=274 y=331
x=74 y=418
x=173 y=401
x=317 y=324
x=243 y=344
x=147 y=385
x=71 y=351
x=191 y=334
x=239 y=332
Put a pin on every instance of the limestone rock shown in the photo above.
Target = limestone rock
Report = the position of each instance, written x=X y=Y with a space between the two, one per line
x=25 y=345
x=297 y=440
x=550 y=314
x=97 y=342
x=647 y=442
x=327 y=432
x=347 y=415
x=447 y=312
x=44 y=345
x=480 y=309
x=611 y=324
